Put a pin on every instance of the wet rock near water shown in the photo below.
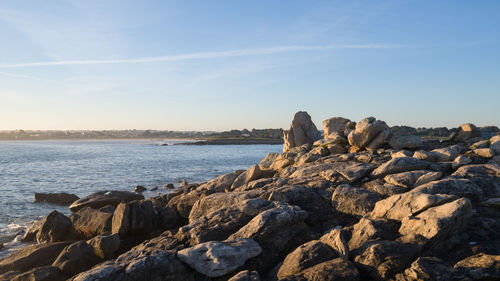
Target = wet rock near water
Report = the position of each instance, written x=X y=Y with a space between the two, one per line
x=358 y=204
x=61 y=198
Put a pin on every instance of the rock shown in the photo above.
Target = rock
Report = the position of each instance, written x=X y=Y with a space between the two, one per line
x=380 y=260
x=54 y=227
x=336 y=125
x=275 y=230
x=454 y=186
x=31 y=231
x=31 y=257
x=402 y=153
x=335 y=269
x=354 y=201
x=221 y=183
x=460 y=161
x=444 y=154
x=140 y=189
x=216 y=201
x=369 y=229
x=246 y=275
x=76 y=258
x=311 y=171
x=405 y=179
x=369 y=133
x=302 y=131
x=306 y=255
x=56 y=198
x=495 y=144
x=484 y=152
x=133 y=218
x=400 y=142
x=381 y=187
x=335 y=239
x=428 y=177
x=88 y=222
x=398 y=165
x=215 y=258
x=103 y=198
x=169 y=186
x=430 y=269
x=480 y=267
x=335 y=148
x=105 y=246
x=354 y=172
x=268 y=160
x=400 y=206
x=183 y=202
x=466 y=132
x=480 y=144
x=436 y=223
x=44 y=273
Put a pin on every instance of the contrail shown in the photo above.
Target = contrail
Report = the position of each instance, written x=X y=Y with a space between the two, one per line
x=203 y=55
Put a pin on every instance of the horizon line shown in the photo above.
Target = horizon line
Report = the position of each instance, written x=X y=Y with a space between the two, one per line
x=206 y=55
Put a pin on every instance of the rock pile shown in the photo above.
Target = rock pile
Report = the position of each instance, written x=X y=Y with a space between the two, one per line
x=358 y=204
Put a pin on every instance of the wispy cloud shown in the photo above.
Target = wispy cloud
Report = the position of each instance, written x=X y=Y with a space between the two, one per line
x=204 y=55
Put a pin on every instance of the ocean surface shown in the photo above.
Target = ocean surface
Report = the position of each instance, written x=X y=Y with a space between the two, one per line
x=86 y=166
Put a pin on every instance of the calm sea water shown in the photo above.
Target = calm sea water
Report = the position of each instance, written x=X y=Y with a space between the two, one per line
x=83 y=167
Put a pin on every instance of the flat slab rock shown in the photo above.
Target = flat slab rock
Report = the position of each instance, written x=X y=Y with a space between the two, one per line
x=100 y=199
x=215 y=258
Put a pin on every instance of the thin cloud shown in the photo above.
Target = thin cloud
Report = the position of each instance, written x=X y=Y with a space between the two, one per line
x=204 y=55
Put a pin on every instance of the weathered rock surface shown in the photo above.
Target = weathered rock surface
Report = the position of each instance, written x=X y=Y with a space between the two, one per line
x=31 y=257
x=354 y=201
x=335 y=239
x=133 y=218
x=302 y=131
x=335 y=269
x=56 y=198
x=368 y=229
x=246 y=275
x=430 y=269
x=480 y=267
x=89 y=222
x=398 y=165
x=337 y=125
x=103 y=198
x=411 y=142
x=466 y=132
x=369 y=133
x=453 y=186
x=54 y=227
x=215 y=258
x=44 y=273
x=76 y=258
x=105 y=246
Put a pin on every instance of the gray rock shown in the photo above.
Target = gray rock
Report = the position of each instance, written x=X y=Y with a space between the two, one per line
x=405 y=179
x=31 y=231
x=354 y=172
x=215 y=258
x=371 y=229
x=103 y=198
x=246 y=275
x=454 y=186
x=354 y=201
x=335 y=269
x=430 y=269
x=302 y=131
x=495 y=144
x=336 y=125
x=133 y=218
x=88 y=222
x=398 y=165
x=44 y=273
x=444 y=154
x=369 y=133
x=466 y=132
x=411 y=142
x=105 y=246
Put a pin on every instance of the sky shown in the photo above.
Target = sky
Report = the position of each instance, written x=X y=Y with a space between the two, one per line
x=225 y=64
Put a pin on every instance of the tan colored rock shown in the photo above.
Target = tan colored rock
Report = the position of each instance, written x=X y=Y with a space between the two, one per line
x=480 y=267
x=369 y=133
x=437 y=223
x=398 y=165
x=466 y=132
x=336 y=125
x=335 y=269
x=370 y=229
x=428 y=177
x=89 y=222
x=54 y=227
x=430 y=269
x=400 y=206
x=495 y=144
x=32 y=256
x=335 y=239
x=246 y=275
x=105 y=246
x=76 y=258
x=405 y=179
x=354 y=201
x=402 y=153
x=302 y=131
x=460 y=161
x=484 y=152
x=455 y=186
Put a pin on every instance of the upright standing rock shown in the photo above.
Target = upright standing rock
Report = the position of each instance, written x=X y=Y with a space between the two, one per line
x=302 y=131
x=466 y=132
x=337 y=125
x=369 y=133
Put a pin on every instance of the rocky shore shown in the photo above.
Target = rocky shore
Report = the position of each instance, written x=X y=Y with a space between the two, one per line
x=354 y=204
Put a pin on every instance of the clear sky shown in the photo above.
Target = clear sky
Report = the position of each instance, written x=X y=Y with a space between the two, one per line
x=217 y=65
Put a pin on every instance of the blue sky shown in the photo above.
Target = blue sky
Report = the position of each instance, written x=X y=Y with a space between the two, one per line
x=217 y=65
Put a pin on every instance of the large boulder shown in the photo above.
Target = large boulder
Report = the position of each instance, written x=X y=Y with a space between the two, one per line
x=398 y=165
x=335 y=269
x=103 y=198
x=369 y=133
x=430 y=269
x=56 y=198
x=215 y=259
x=369 y=229
x=133 y=218
x=336 y=125
x=89 y=222
x=437 y=223
x=480 y=267
x=466 y=132
x=31 y=257
x=105 y=246
x=400 y=206
x=353 y=200
x=44 y=273
x=335 y=239
x=302 y=131
x=54 y=227
x=216 y=201
x=380 y=260
x=76 y=258
x=306 y=255
x=455 y=186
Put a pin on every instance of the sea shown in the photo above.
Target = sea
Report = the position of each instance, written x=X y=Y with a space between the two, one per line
x=82 y=167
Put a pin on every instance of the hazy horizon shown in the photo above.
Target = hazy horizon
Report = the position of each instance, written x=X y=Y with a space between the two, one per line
x=215 y=66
